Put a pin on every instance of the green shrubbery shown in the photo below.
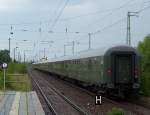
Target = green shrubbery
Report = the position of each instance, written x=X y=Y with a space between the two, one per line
x=116 y=111
x=16 y=68
x=16 y=72
x=4 y=56
x=144 y=49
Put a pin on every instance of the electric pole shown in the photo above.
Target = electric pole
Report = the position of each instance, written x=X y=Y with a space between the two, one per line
x=11 y=33
x=66 y=30
x=89 y=41
x=15 y=53
x=24 y=57
x=64 y=50
x=67 y=34
x=44 y=53
x=73 y=44
x=40 y=30
x=129 y=14
x=9 y=46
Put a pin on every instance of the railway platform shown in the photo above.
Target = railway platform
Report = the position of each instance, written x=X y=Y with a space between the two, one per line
x=20 y=103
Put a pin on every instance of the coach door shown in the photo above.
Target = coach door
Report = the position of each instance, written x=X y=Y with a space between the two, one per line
x=123 y=68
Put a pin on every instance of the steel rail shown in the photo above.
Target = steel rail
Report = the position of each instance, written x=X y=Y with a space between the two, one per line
x=69 y=101
x=76 y=107
x=44 y=96
x=92 y=94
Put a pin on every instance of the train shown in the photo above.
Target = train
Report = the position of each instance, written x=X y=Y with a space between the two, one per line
x=111 y=70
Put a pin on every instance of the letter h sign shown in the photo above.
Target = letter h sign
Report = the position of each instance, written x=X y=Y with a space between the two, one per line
x=98 y=100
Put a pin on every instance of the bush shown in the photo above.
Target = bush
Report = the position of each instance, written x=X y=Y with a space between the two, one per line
x=144 y=49
x=116 y=111
x=145 y=83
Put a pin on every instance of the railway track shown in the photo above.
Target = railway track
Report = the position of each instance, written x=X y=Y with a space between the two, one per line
x=122 y=104
x=55 y=100
x=48 y=108
x=135 y=109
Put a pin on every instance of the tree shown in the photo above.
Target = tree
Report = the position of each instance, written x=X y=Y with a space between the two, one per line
x=4 y=56
x=144 y=49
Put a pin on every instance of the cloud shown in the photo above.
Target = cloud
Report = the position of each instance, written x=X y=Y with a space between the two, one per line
x=8 y=5
x=80 y=6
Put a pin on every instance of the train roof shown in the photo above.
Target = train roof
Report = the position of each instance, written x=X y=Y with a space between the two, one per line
x=92 y=53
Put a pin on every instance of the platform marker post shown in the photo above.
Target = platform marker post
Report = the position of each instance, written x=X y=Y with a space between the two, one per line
x=4 y=78
x=4 y=67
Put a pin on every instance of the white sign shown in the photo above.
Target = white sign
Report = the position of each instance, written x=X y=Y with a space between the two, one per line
x=98 y=100
x=4 y=65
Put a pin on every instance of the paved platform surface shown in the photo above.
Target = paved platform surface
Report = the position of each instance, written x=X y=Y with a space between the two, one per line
x=20 y=103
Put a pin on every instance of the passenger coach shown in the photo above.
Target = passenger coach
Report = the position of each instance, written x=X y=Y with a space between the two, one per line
x=112 y=70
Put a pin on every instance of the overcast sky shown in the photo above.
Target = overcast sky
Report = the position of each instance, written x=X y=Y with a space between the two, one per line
x=106 y=18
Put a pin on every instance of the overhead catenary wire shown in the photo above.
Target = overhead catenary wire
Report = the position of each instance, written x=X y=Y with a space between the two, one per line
x=115 y=23
x=99 y=11
x=58 y=16
x=70 y=18
x=126 y=4
x=141 y=10
x=144 y=8
x=109 y=26
x=110 y=13
x=55 y=12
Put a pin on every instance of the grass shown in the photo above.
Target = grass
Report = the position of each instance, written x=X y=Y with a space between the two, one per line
x=16 y=78
x=116 y=111
x=19 y=83
x=16 y=68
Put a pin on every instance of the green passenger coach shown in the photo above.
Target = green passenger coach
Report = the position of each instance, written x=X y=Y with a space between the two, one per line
x=112 y=70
